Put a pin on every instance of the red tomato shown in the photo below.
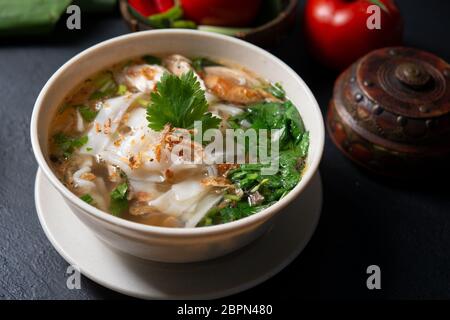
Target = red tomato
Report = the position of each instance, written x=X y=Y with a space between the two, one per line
x=231 y=13
x=337 y=32
x=144 y=7
x=164 y=5
x=150 y=7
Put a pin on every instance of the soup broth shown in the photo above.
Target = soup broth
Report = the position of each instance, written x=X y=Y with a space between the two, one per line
x=121 y=141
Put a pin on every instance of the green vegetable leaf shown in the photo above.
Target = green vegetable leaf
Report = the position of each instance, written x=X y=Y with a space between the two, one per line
x=120 y=192
x=231 y=213
x=241 y=210
x=165 y=19
x=119 y=201
x=296 y=126
x=274 y=115
x=179 y=101
x=87 y=198
x=67 y=144
x=87 y=113
x=303 y=146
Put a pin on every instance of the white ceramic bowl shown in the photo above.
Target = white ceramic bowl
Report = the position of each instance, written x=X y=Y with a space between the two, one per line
x=166 y=244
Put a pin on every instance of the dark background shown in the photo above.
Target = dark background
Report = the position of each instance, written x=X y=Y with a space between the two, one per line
x=404 y=227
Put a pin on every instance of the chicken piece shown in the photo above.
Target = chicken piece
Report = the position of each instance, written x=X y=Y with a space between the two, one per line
x=177 y=64
x=143 y=77
x=235 y=86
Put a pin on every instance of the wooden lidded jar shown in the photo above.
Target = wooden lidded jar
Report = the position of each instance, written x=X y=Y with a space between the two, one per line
x=390 y=112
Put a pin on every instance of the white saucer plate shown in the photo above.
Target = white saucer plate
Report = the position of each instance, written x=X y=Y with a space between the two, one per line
x=216 y=278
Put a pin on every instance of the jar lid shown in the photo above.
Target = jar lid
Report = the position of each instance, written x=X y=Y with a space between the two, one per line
x=399 y=94
x=406 y=81
x=391 y=105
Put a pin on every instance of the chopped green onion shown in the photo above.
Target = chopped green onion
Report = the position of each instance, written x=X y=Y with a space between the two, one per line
x=122 y=89
x=276 y=90
x=143 y=102
x=87 y=198
x=232 y=197
x=87 y=113
x=256 y=188
x=106 y=86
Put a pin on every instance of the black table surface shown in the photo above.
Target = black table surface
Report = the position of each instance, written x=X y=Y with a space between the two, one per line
x=404 y=227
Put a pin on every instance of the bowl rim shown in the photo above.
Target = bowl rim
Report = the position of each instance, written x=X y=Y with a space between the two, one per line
x=176 y=232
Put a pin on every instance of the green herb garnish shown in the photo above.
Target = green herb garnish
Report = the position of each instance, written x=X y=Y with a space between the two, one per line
x=179 y=101
x=87 y=113
x=231 y=213
x=87 y=198
x=68 y=144
x=274 y=115
x=119 y=201
x=248 y=178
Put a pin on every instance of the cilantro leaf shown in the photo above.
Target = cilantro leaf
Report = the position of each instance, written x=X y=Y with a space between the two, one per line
x=179 y=101
x=119 y=201
x=274 y=115
x=120 y=191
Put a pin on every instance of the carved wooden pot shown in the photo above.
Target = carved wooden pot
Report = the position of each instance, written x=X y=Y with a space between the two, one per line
x=390 y=112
